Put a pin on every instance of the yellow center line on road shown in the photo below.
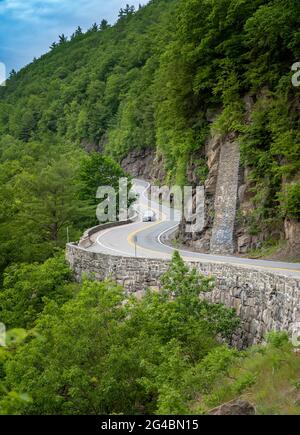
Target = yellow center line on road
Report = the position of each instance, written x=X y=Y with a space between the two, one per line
x=140 y=230
x=131 y=236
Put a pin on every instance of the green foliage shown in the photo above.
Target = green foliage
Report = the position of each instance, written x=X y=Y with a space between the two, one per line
x=265 y=375
x=182 y=283
x=230 y=120
x=28 y=287
x=39 y=197
x=97 y=171
x=291 y=201
x=277 y=339
x=104 y=353
x=153 y=79
x=213 y=367
x=186 y=287
x=267 y=249
x=270 y=146
x=95 y=88
x=11 y=402
x=201 y=170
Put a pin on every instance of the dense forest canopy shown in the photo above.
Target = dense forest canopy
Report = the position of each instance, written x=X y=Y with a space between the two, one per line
x=164 y=77
x=102 y=352
x=158 y=76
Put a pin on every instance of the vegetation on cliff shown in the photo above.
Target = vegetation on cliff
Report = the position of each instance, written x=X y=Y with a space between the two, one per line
x=164 y=77
x=159 y=76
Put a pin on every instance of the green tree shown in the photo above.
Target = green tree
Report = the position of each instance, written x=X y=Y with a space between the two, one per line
x=11 y=402
x=28 y=287
x=39 y=200
x=128 y=10
x=50 y=200
x=78 y=31
x=104 y=353
x=97 y=170
x=104 y=25
x=94 y=28
x=62 y=39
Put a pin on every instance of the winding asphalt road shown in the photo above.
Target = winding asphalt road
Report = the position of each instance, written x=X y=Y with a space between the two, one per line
x=147 y=240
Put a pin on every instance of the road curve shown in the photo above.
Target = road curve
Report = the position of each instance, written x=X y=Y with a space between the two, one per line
x=147 y=240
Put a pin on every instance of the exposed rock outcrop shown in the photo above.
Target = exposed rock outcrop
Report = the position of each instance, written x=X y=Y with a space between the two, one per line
x=144 y=164
x=221 y=198
x=236 y=407
x=292 y=235
x=228 y=199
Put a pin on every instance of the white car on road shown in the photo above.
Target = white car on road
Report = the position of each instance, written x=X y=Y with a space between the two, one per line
x=149 y=216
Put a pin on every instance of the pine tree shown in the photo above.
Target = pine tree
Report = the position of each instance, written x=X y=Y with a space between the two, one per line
x=104 y=25
x=78 y=31
x=62 y=39
x=129 y=10
x=94 y=28
x=12 y=74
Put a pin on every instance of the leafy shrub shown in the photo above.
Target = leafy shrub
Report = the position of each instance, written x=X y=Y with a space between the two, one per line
x=103 y=353
x=28 y=287
x=277 y=339
x=291 y=201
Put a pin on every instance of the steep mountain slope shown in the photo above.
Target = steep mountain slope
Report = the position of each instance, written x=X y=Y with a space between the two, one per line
x=172 y=77
x=180 y=90
x=83 y=89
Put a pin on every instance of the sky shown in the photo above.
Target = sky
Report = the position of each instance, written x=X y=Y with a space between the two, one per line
x=28 y=27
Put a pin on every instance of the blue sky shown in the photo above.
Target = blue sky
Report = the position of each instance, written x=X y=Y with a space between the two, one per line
x=28 y=27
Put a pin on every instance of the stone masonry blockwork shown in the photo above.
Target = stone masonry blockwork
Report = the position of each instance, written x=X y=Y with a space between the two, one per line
x=222 y=241
x=264 y=301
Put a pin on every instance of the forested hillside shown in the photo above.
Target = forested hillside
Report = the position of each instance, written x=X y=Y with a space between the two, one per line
x=164 y=78
x=75 y=95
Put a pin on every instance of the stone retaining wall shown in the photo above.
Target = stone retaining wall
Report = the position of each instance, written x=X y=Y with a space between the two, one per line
x=264 y=301
x=222 y=240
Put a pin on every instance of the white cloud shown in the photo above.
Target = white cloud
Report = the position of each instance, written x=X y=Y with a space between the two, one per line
x=41 y=9
x=28 y=27
x=28 y=6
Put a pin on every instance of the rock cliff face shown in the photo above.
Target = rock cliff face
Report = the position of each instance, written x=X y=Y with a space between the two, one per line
x=235 y=407
x=222 y=187
x=228 y=204
x=292 y=235
x=227 y=200
x=229 y=192
x=144 y=164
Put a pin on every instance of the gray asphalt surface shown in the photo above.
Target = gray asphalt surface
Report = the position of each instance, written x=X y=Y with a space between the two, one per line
x=147 y=240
